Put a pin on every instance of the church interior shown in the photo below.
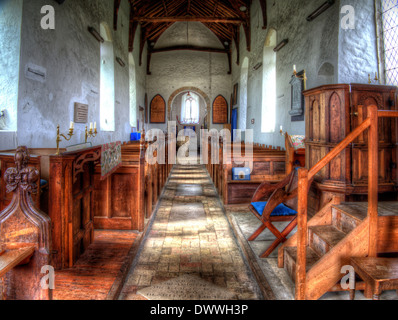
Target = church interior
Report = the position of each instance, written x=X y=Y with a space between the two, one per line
x=198 y=150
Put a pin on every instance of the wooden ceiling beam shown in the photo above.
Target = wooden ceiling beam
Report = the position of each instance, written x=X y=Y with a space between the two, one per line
x=263 y=4
x=191 y=48
x=189 y=7
x=165 y=8
x=116 y=13
x=189 y=19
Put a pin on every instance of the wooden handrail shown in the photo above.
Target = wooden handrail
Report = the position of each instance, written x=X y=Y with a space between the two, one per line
x=387 y=114
x=306 y=175
x=339 y=148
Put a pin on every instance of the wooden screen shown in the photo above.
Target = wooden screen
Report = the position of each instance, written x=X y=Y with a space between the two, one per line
x=220 y=110
x=158 y=110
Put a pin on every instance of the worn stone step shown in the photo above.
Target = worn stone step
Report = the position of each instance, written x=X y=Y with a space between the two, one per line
x=291 y=257
x=348 y=216
x=322 y=239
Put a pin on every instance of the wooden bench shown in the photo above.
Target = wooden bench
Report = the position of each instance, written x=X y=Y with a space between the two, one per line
x=124 y=200
x=25 y=235
x=119 y=199
x=380 y=274
x=269 y=164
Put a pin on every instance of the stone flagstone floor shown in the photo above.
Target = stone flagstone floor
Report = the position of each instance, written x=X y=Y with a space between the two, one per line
x=191 y=236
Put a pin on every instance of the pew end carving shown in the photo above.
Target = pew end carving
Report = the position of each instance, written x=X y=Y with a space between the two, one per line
x=25 y=236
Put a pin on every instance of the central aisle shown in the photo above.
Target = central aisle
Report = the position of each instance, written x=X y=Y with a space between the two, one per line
x=190 y=252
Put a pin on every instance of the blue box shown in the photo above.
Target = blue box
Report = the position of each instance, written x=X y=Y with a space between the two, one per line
x=241 y=174
x=135 y=136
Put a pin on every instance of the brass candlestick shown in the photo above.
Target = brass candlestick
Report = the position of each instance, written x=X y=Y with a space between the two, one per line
x=301 y=77
x=90 y=133
x=59 y=136
x=376 y=79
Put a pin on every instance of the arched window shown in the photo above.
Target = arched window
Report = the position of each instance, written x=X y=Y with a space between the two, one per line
x=133 y=92
x=107 y=95
x=268 y=114
x=10 y=39
x=190 y=109
x=244 y=75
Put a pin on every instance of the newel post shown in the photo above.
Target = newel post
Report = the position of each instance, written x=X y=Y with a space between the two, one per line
x=302 y=234
x=373 y=183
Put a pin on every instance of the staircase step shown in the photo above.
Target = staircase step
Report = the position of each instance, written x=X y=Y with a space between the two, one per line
x=323 y=238
x=347 y=216
x=291 y=258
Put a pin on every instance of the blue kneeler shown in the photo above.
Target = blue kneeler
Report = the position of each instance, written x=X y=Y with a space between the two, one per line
x=279 y=211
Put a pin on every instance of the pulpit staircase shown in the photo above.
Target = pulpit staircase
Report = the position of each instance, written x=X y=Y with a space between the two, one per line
x=315 y=255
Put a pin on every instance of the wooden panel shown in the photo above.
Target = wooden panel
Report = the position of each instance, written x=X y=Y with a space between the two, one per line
x=336 y=110
x=71 y=205
x=158 y=110
x=220 y=110
x=387 y=241
x=121 y=196
x=239 y=193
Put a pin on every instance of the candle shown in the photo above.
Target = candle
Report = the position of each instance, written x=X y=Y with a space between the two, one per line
x=294 y=68
x=95 y=125
x=72 y=125
x=91 y=125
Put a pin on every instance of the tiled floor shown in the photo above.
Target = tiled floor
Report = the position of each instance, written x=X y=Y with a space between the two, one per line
x=97 y=270
x=191 y=235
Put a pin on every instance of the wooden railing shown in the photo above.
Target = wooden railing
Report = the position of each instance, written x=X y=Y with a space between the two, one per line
x=306 y=175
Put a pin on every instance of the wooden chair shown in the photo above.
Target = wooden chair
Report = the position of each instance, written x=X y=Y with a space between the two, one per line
x=280 y=207
x=25 y=235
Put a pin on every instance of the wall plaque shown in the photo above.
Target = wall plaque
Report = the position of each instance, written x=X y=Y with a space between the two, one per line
x=220 y=110
x=297 y=111
x=158 y=110
x=81 y=113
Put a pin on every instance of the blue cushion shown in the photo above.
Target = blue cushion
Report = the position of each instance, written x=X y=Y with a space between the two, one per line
x=279 y=211
x=43 y=183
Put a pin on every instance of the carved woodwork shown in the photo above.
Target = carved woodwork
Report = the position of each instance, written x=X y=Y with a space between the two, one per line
x=71 y=205
x=332 y=112
x=25 y=234
x=158 y=110
x=220 y=110
x=7 y=161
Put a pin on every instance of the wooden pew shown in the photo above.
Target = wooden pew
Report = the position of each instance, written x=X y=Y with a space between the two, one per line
x=268 y=165
x=276 y=164
x=119 y=199
x=25 y=236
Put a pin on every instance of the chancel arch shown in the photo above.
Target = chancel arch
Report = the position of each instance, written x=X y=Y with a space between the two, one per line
x=189 y=89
